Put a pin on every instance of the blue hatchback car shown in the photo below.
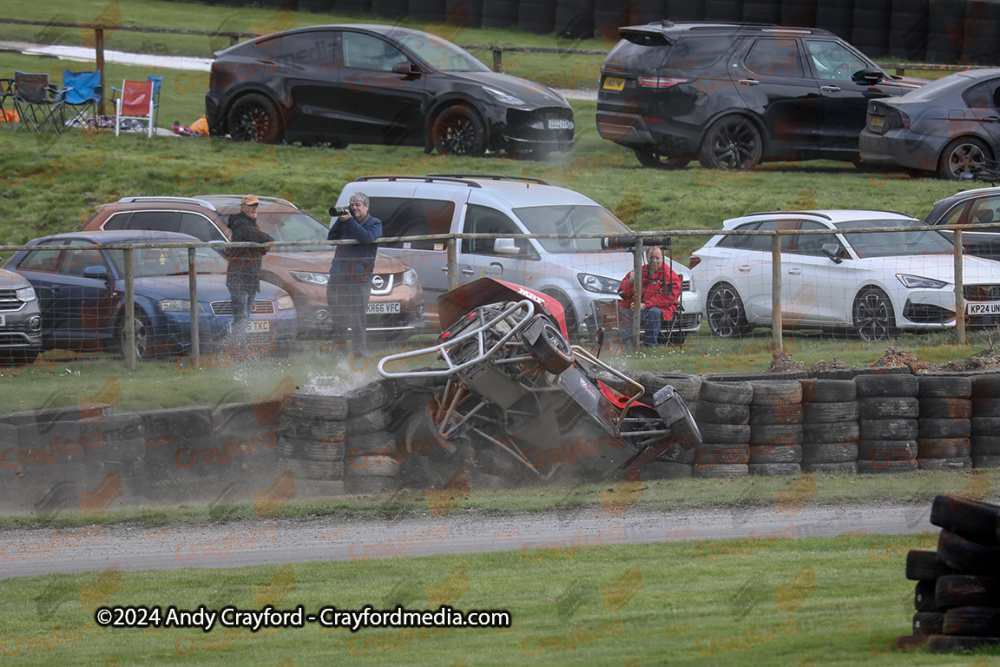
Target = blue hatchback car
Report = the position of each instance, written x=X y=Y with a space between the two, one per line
x=80 y=286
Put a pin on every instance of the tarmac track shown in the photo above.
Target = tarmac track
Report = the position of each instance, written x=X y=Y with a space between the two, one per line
x=267 y=541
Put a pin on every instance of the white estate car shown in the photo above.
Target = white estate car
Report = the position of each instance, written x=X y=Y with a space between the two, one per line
x=870 y=283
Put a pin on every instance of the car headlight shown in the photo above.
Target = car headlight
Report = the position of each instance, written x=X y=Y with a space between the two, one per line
x=503 y=97
x=919 y=282
x=409 y=277
x=178 y=306
x=25 y=294
x=285 y=303
x=600 y=284
x=310 y=277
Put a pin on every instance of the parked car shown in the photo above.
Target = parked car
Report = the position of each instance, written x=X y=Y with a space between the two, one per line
x=734 y=95
x=80 y=286
x=20 y=318
x=379 y=84
x=396 y=308
x=972 y=207
x=872 y=284
x=951 y=126
x=574 y=270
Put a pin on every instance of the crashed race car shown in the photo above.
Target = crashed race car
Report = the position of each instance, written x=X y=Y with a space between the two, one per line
x=506 y=395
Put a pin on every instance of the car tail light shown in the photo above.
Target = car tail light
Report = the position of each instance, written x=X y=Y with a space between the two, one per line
x=658 y=82
x=896 y=119
x=694 y=261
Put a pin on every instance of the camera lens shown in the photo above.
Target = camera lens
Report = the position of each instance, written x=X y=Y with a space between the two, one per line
x=337 y=211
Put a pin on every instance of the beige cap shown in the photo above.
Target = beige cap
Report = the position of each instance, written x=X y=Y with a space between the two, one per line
x=249 y=200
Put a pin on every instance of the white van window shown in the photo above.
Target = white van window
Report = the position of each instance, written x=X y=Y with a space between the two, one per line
x=571 y=221
x=485 y=220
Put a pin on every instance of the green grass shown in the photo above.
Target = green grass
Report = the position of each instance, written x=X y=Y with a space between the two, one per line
x=770 y=600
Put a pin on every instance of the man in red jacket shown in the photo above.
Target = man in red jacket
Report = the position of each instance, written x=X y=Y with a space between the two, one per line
x=661 y=289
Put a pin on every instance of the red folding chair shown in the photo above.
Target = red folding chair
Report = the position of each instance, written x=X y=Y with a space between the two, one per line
x=134 y=106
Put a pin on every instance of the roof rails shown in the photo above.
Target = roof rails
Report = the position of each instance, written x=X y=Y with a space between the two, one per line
x=186 y=200
x=493 y=177
x=463 y=179
x=807 y=212
x=276 y=200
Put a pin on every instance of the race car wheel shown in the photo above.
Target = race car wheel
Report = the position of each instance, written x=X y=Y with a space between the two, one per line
x=551 y=350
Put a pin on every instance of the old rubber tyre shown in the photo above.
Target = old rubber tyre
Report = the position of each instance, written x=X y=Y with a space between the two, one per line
x=830 y=413
x=985 y=425
x=665 y=470
x=819 y=390
x=313 y=450
x=967 y=556
x=373 y=465
x=830 y=452
x=971 y=519
x=710 y=454
x=958 y=463
x=985 y=445
x=654 y=159
x=774 y=469
x=888 y=407
x=732 y=143
x=943 y=428
x=721 y=413
x=872 y=315
x=722 y=434
x=789 y=413
x=944 y=386
x=726 y=316
x=886 y=467
x=720 y=470
x=847 y=468
x=923 y=596
x=888 y=429
x=958 y=590
x=327 y=408
x=985 y=407
x=972 y=622
x=945 y=408
x=962 y=157
x=776 y=434
x=740 y=393
x=926 y=623
x=688 y=386
x=380 y=443
x=775 y=454
x=312 y=469
x=946 y=643
x=370 y=422
x=835 y=432
x=776 y=392
x=887 y=384
x=254 y=117
x=943 y=448
x=875 y=451
x=457 y=130
x=369 y=397
x=675 y=453
x=987 y=461
x=926 y=566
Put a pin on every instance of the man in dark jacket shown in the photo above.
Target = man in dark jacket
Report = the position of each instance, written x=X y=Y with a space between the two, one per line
x=243 y=274
x=350 y=283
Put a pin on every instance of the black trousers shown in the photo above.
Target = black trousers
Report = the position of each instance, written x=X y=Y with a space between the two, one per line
x=348 y=301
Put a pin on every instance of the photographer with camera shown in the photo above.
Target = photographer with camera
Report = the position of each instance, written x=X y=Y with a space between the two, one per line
x=350 y=283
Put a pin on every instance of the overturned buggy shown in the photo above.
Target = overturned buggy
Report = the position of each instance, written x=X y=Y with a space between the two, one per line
x=506 y=396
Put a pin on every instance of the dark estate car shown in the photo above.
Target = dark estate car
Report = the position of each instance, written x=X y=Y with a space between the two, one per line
x=378 y=84
x=734 y=95
x=20 y=318
x=951 y=126
x=972 y=207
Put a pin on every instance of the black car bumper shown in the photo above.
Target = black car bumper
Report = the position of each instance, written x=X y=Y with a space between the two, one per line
x=635 y=131
x=549 y=129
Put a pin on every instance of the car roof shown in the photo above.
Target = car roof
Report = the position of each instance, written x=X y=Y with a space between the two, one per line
x=969 y=194
x=214 y=202
x=514 y=191
x=121 y=236
x=831 y=216
x=369 y=27
x=676 y=29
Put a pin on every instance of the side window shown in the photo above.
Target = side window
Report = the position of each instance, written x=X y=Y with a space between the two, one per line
x=832 y=61
x=954 y=215
x=201 y=227
x=45 y=260
x=395 y=214
x=117 y=221
x=485 y=220
x=984 y=95
x=367 y=52
x=315 y=49
x=984 y=210
x=763 y=243
x=739 y=240
x=76 y=260
x=811 y=244
x=418 y=217
x=774 y=57
x=157 y=221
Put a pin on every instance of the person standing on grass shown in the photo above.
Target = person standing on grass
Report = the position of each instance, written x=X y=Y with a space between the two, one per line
x=243 y=273
x=350 y=284
x=661 y=288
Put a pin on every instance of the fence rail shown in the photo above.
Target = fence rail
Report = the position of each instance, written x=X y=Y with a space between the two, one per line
x=451 y=243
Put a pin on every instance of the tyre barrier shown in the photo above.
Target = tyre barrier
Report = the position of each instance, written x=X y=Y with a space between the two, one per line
x=830 y=429
x=984 y=421
x=944 y=422
x=957 y=594
x=723 y=417
x=776 y=427
x=888 y=412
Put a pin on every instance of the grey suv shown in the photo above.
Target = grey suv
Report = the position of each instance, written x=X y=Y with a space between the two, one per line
x=20 y=318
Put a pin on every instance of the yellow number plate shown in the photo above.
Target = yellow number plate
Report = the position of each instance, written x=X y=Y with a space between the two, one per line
x=614 y=83
x=878 y=121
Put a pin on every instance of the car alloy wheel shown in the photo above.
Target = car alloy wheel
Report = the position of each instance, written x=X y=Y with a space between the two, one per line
x=963 y=156
x=458 y=131
x=726 y=316
x=874 y=319
x=143 y=337
x=654 y=159
x=732 y=143
x=254 y=118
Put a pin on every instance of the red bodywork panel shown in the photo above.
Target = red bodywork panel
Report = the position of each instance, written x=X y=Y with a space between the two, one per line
x=456 y=303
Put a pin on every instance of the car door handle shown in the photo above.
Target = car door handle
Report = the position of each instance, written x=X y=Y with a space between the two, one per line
x=795 y=272
x=749 y=82
x=830 y=89
x=745 y=268
x=992 y=118
x=468 y=271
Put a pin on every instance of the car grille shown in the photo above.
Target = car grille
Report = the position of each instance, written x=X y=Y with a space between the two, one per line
x=925 y=313
x=260 y=307
x=982 y=292
x=688 y=321
x=8 y=300
x=534 y=124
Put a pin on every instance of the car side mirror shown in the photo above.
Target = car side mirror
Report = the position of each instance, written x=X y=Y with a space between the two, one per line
x=867 y=77
x=407 y=69
x=506 y=247
x=832 y=250
x=96 y=272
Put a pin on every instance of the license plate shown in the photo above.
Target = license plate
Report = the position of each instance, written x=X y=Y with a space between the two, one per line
x=878 y=121
x=614 y=83
x=253 y=326
x=991 y=308
x=560 y=124
x=382 y=308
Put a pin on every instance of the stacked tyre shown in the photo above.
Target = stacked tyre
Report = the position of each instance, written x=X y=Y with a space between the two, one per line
x=985 y=422
x=677 y=460
x=943 y=427
x=776 y=427
x=830 y=428
x=311 y=439
x=723 y=416
x=888 y=410
x=372 y=462
x=958 y=592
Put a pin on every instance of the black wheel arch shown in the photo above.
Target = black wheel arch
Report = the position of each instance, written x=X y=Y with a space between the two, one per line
x=766 y=140
x=285 y=111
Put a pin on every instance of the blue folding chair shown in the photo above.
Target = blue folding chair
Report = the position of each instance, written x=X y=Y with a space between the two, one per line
x=157 y=82
x=83 y=92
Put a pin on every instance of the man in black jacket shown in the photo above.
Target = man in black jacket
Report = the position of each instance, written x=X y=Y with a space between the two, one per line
x=350 y=283
x=243 y=274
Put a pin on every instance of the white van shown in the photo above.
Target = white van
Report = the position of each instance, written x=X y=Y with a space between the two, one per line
x=576 y=271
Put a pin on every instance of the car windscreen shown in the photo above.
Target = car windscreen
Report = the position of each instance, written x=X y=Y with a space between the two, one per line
x=440 y=53
x=571 y=221
x=894 y=241
x=156 y=262
x=284 y=226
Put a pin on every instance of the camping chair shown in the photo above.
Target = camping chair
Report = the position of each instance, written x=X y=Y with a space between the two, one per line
x=83 y=92
x=157 y=82
x=7 y=91
x=608 y=318
x=38 y=103
x=134 y=106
